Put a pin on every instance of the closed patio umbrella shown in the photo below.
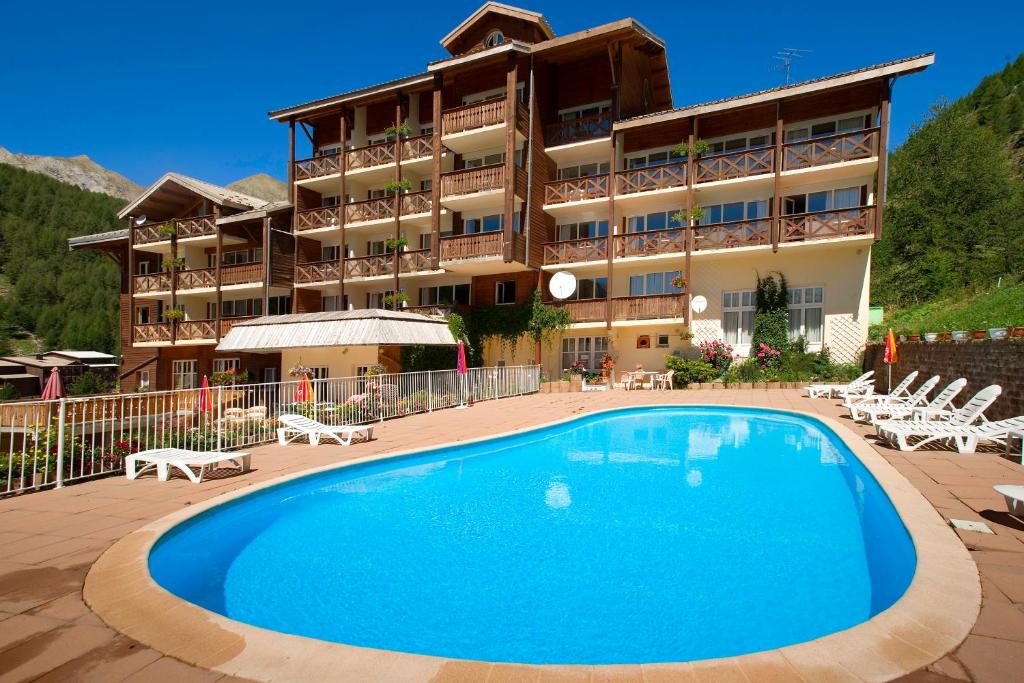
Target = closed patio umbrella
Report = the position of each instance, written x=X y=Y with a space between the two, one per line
x=304 y=392
x=54 y=388
x=205 y=404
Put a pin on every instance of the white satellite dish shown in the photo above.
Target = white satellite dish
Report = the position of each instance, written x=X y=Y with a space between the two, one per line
x=141 y=220
x=562 y=285
x=699 y=303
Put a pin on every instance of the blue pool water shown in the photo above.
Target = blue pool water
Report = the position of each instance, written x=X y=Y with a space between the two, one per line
x=640 y=535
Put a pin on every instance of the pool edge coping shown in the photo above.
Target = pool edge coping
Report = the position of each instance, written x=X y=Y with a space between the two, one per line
x=932 y=617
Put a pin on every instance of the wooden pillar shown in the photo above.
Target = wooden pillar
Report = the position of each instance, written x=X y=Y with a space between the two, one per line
x=174 y=281
x=396 y=256
x=435 y=177
x=615 y=59
x=342 y=211
x=691 y=168
x=610 y=247
x=219 y=257
x=131 y=283
x=267 y=248
x=507 y=237
x=780 y=125
x=291 y=167
x=883 y=156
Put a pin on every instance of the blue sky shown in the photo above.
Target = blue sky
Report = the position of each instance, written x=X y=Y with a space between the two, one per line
x=144 y=87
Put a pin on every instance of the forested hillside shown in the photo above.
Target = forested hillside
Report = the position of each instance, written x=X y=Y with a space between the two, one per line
x=954 y=218
x=64 y=300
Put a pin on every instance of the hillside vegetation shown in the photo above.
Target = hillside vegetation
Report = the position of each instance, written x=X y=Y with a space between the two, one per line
x=998 y=306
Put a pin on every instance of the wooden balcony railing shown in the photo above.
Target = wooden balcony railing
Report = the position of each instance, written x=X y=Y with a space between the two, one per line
x=241 y=274
x=369 y=156
x=318 y=271
x=471 y=246
x=648 y=307
x=749 y=233
x=576 y=251
x=734 y=165
x=317 y=166
x=152 y=332
x=576 y=189
x=827 y=224
x=370 y=266
x=197 y=226
x=370 y=210
x=153 y=282
x=434 y=310
x=831 y=150
x=417 y=147
x=650 y=178
x=227 y=323
x=670 y=241
x=470 y=116
x=322 y=217
x=416 y=202
x=191 y=330
x=196 y=279
x=586 y=311
x=473 y=180
x=414 y=261
x=578 y=130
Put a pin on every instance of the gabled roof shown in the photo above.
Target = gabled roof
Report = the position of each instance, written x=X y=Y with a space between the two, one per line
x=98 y=238
x=498 y=8
x=215 y=193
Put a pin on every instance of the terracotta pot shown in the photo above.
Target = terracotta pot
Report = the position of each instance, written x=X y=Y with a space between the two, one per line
x=913 y=337
x=1017 y=331
x=979 y=334
x=575 y=383
x=945 y=336
x=604 y=373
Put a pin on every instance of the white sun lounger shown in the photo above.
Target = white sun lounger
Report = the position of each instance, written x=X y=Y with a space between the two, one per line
x=1014 y=495
x=935 y=408
x=899 y=393
x=957 y=428
x=966 y=437
x=163 y=459
x=875 y=406
x=296 y=426
x=861 y=386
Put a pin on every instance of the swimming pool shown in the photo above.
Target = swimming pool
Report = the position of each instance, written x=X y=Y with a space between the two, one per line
x=638 y=535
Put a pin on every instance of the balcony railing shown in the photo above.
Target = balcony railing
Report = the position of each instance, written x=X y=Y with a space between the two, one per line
x=578 y=130
x=414 y=261
x=198 y=226
x=827 y=224
x=314 y=219
x=316 y=272
x=417 y=147
x=370 y=266
x=196 y=279
x=831 y=150
x=241 y=274
x=470 y=116
x=191 y=330
x=153 y=282
x=659 y=177
x=370 y=210
x=471 y=246
x=576 y=251
x=586 y=311
x=576 y=189
x=749 y=233
x=227 y=323
x=434 y=310
x=369 y=156
x=473 y=180
x=651 y=242
x=416 y=202
x=648 y=307
x=152 y=332
x=318 y=166
x=734 y=165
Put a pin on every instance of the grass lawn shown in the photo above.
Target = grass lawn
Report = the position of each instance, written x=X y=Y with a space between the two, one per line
x=969 y=310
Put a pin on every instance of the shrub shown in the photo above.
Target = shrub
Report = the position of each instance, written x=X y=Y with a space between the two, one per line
x=771 y=328
x=9 y=392
x=689 y=371
x=768 y=357
x=88 y=383
x=717 y=353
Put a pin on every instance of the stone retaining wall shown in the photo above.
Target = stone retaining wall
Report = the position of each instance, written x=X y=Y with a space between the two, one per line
x=982 y=362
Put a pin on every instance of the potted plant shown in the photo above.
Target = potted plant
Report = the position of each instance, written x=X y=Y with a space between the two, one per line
x=958 y=335
x=298 y=370
x=945 y=336
x=393 y=300
x=607 y=365
x=979 y=334
x=396 y=186
x=699 y=147
x=174 y=314
x=997 y=332
x=167 y=229
x=931 y=337
x=679 y=282
x=173 y=262
x=696 y=213
x=401 y=130
x=1017 y=331
x=914 y=337
x=396 y=243
x=576 y=372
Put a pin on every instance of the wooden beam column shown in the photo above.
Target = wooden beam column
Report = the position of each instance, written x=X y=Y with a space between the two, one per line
x=219 y=256
x=174 y=280
x=396 y=256
x=291 y=167
x=610 y=246
x=780 y=125
x=267 y=276
x=691 y=168
x=883 y=156
x=131 y=283
x=508 y=235
x=435 y=177
x=342 y=211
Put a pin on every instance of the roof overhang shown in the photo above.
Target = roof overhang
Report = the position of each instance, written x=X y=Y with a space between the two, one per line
x=498 y=8
x=366 y=93
x=255 y=214
x=99 y=239
x=213 y=193
x=480 y=55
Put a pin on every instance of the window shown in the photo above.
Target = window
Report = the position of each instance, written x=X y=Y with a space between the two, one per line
x=654 y=283
x=584 y=111
x=320 y=372
x=269 y=375
x=376 y=299
x=329 y=303
x=806 y=314
x=279 y=305
x=587 y=350
x=426 y=184
x=225 y=364
x=236 y=257
x=738 y=317
x=505 y=292
x=333 y=200
x=662 y=341
x=582 y=170
x=142 y=379
x=327 y=150
x=444 y=295
x=379 y=193
x=740 y=142
x=426 y=239
x=494 y=38
x=590 y=288
x=142 y=315
x=583 y=230
x=827 y=200
x=184 y=374
x=330 y=253
x=653 y=158
x=240 y=307
x=654 y=221
x=734 y=211
x=491 y=223
x=362 y=370
x=485 y=160
x=846 y=124
x=144 y=267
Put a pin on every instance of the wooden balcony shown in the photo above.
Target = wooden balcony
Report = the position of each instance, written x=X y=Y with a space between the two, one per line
x=661 y=177
x=318 y=166
x=153 y=282
x=417 y=147
x=149 y=333
x=578 y=130
x=576 y=189
x=827 y=224
x=317 y=272
x=196 y=279
x=370 y=266
x=315 y=219
x=649 y=307
x=470 y=116
x=241 y=274
x=369 y=156
x=227 y=323
x=476 y=245
x=473 y=180
x=198 y=226
x=414 y=261
x=734 y=165
x=195 y=330
x=750 y=233
x=434 y=310
x=834 y=149
x=576 y=251
x=370 y=210
x=416 y=202
x=586 y=311
x=651 y=243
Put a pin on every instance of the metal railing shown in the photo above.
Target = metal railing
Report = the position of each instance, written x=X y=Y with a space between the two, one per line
x=46 y=444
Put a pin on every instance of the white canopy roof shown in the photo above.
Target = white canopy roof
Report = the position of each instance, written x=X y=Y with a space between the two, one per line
x=367 y=327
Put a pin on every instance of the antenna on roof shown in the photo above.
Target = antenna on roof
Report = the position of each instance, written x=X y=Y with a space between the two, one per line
x=786 y=56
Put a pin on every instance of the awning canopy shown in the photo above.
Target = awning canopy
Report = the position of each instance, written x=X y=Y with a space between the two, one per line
x=368 y=327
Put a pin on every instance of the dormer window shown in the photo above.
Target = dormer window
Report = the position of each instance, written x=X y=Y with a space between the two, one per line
x=494 y=38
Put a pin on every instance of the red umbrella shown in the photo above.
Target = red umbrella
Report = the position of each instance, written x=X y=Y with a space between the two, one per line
x=304 y=392
x=54 y=388
x=460 y=366
x=205 y=404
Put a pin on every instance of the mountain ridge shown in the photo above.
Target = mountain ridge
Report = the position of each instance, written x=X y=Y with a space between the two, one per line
x=80 y=171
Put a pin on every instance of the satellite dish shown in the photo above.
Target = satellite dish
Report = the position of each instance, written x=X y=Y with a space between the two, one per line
x=562 y=285
x=141 y=220
x=698 y=304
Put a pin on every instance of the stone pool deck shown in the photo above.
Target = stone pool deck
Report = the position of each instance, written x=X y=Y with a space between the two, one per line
x=49 y=541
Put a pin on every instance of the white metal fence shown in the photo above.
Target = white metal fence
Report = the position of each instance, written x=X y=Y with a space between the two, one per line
x=49 y=443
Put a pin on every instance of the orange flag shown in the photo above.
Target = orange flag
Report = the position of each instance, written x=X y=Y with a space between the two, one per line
x=891 y=356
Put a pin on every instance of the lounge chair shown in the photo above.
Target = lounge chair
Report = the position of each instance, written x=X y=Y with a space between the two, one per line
x=1014 y=495
x=296 y=426
x=966 y=437
x=878 y=403
x=901 y=390
x=899 y=432
x=937 y=407
x=163 y=459
x=862 y=386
